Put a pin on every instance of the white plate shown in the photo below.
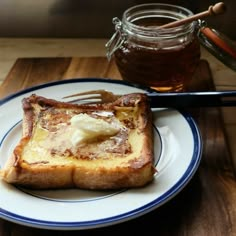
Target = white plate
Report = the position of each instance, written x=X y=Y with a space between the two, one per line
x=178 y=150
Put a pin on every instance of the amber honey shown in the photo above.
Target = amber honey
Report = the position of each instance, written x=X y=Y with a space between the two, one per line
x=164 y=59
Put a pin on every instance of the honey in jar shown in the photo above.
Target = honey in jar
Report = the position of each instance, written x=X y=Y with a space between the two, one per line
x=146 y=54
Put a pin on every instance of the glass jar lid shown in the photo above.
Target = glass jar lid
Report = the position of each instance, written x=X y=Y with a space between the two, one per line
x=218 y=44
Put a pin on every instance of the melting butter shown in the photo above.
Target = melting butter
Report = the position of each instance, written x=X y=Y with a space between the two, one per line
x=87 y=128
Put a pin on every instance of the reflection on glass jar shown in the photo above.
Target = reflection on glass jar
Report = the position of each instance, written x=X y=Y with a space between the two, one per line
x=145 y=53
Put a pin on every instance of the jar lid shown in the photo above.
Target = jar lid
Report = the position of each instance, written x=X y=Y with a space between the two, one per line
x=219 y=45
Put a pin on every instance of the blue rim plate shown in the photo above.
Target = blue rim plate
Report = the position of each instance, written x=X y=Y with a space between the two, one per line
x=178 y=149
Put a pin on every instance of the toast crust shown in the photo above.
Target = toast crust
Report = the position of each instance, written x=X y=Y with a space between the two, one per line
x=125 y=160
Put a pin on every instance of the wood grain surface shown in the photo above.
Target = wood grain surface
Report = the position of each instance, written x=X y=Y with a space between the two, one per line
x=206 y=206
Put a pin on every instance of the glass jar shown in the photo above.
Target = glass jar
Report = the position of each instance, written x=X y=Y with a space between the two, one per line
x=147 y=54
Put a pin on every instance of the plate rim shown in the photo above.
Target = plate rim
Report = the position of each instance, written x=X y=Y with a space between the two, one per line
x=73 y=80
x=144 y=209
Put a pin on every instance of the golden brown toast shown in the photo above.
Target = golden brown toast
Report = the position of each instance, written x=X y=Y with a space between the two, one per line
x=99 y=146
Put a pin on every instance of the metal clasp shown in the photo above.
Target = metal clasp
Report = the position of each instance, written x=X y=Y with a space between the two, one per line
x=117 y=38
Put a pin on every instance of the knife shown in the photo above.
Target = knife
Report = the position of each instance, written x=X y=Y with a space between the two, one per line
x=192 y=99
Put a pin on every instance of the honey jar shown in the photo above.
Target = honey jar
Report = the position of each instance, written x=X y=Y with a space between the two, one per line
x=147 y=54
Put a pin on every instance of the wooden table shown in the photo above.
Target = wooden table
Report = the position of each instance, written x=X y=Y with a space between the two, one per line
x=206 y=206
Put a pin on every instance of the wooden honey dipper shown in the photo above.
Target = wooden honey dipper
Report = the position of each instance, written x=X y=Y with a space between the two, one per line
x=217 y=9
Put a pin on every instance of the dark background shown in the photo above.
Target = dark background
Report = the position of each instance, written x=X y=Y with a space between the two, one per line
x=88 y=18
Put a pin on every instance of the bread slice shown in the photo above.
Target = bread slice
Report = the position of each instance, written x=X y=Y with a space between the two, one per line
x=99 y=146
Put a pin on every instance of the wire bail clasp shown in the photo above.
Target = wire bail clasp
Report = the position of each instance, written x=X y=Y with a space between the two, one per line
x=117 y=38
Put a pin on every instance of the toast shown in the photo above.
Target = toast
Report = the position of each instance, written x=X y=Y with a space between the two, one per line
x=98 y=146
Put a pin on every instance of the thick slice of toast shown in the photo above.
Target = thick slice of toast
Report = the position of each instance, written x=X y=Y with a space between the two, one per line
x=99 y=146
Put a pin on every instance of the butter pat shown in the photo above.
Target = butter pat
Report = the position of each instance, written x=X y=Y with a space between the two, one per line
x=87 y=128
